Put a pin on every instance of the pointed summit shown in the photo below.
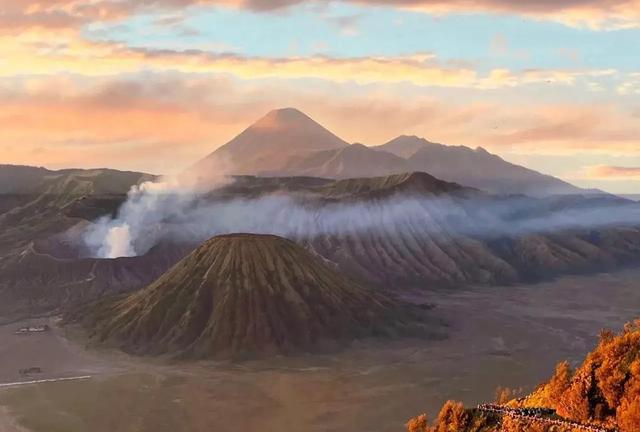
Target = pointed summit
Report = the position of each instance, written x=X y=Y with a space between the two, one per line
x=405 y=146
x=265 y=145
x=244 y=295
x=284 y=117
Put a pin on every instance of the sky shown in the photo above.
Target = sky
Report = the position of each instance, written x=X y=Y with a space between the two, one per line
x=154 y=85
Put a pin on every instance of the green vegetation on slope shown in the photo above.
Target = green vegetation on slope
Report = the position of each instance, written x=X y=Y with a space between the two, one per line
x=243 y=295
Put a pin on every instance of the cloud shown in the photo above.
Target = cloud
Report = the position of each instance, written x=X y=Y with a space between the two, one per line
x=17 y=16
x=348 y=24
x=30 y=54
x=160 y=122
x=608 y=172
x=631 y=85
x=565 y=128
x=165 y=121
x=594 y=14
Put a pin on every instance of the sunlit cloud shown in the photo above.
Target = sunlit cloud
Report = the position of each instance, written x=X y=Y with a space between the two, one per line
x=68 y=100
x=594 y=14
x=630 y=85
x=28 y=54
x=565 y=129
x=607 y=172
x=165 y=121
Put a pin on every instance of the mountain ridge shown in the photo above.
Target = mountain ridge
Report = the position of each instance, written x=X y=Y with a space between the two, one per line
x=287 y=142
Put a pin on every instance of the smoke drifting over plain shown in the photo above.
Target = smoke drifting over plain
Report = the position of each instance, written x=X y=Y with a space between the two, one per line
x=172 y=210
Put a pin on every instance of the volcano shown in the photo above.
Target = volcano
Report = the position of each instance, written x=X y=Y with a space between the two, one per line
x=268 y=143
x=244 y=295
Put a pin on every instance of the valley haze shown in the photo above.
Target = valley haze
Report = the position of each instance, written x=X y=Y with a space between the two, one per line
x=319 y=216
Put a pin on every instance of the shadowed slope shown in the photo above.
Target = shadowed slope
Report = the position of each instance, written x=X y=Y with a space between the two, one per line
x=243 y=294
x=356 y=160
x=405 y=183
x=476 y=167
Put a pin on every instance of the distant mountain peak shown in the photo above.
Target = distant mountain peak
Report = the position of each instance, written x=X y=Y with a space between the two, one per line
x=283 y=118
x=412 y=138
x=286 y=141
x=405 y=146
x=404 y=138
x=266 y=144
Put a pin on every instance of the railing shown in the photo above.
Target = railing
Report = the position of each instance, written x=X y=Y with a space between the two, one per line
x=538 y=416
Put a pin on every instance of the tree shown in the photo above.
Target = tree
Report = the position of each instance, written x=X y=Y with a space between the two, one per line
x=559 y=383
x=418 y=424
x=452 y=418
x=628 y=414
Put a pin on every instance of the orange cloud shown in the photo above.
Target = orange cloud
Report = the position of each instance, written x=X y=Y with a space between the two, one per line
x=163 y=122
x=159 y=126
x=565 y=129
x=29 y=54
x=607 y=172
x=595 y=14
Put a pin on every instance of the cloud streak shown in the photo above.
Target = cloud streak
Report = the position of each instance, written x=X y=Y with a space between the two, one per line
x=77 y=56
x=165 y=121
x=608 y=172
x=594 y=14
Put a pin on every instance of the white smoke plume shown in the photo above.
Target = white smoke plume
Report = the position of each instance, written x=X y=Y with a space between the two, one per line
x=178 y=211
x=148 y=208
x=117 y=243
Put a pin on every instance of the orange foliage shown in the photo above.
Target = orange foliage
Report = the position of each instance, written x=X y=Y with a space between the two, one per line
x=560 y=381
x=452 y=417
x=510 y=424
x=604 y=390
x=628 y=414
x=418 y=424
x=504 y=395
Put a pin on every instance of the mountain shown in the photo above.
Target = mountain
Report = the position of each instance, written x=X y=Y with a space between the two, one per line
x=269 y=142
x=35 y=202
x=27 y=180
x=477 y=168
x=601 y=394
x=20 y=178
x=286 y=142
x=42 y=263
x=411 y=183
x=414 y=230
x=356 y=160
x=404 y=146
x=243 y=295
x=35 y=281
x=398 y=232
